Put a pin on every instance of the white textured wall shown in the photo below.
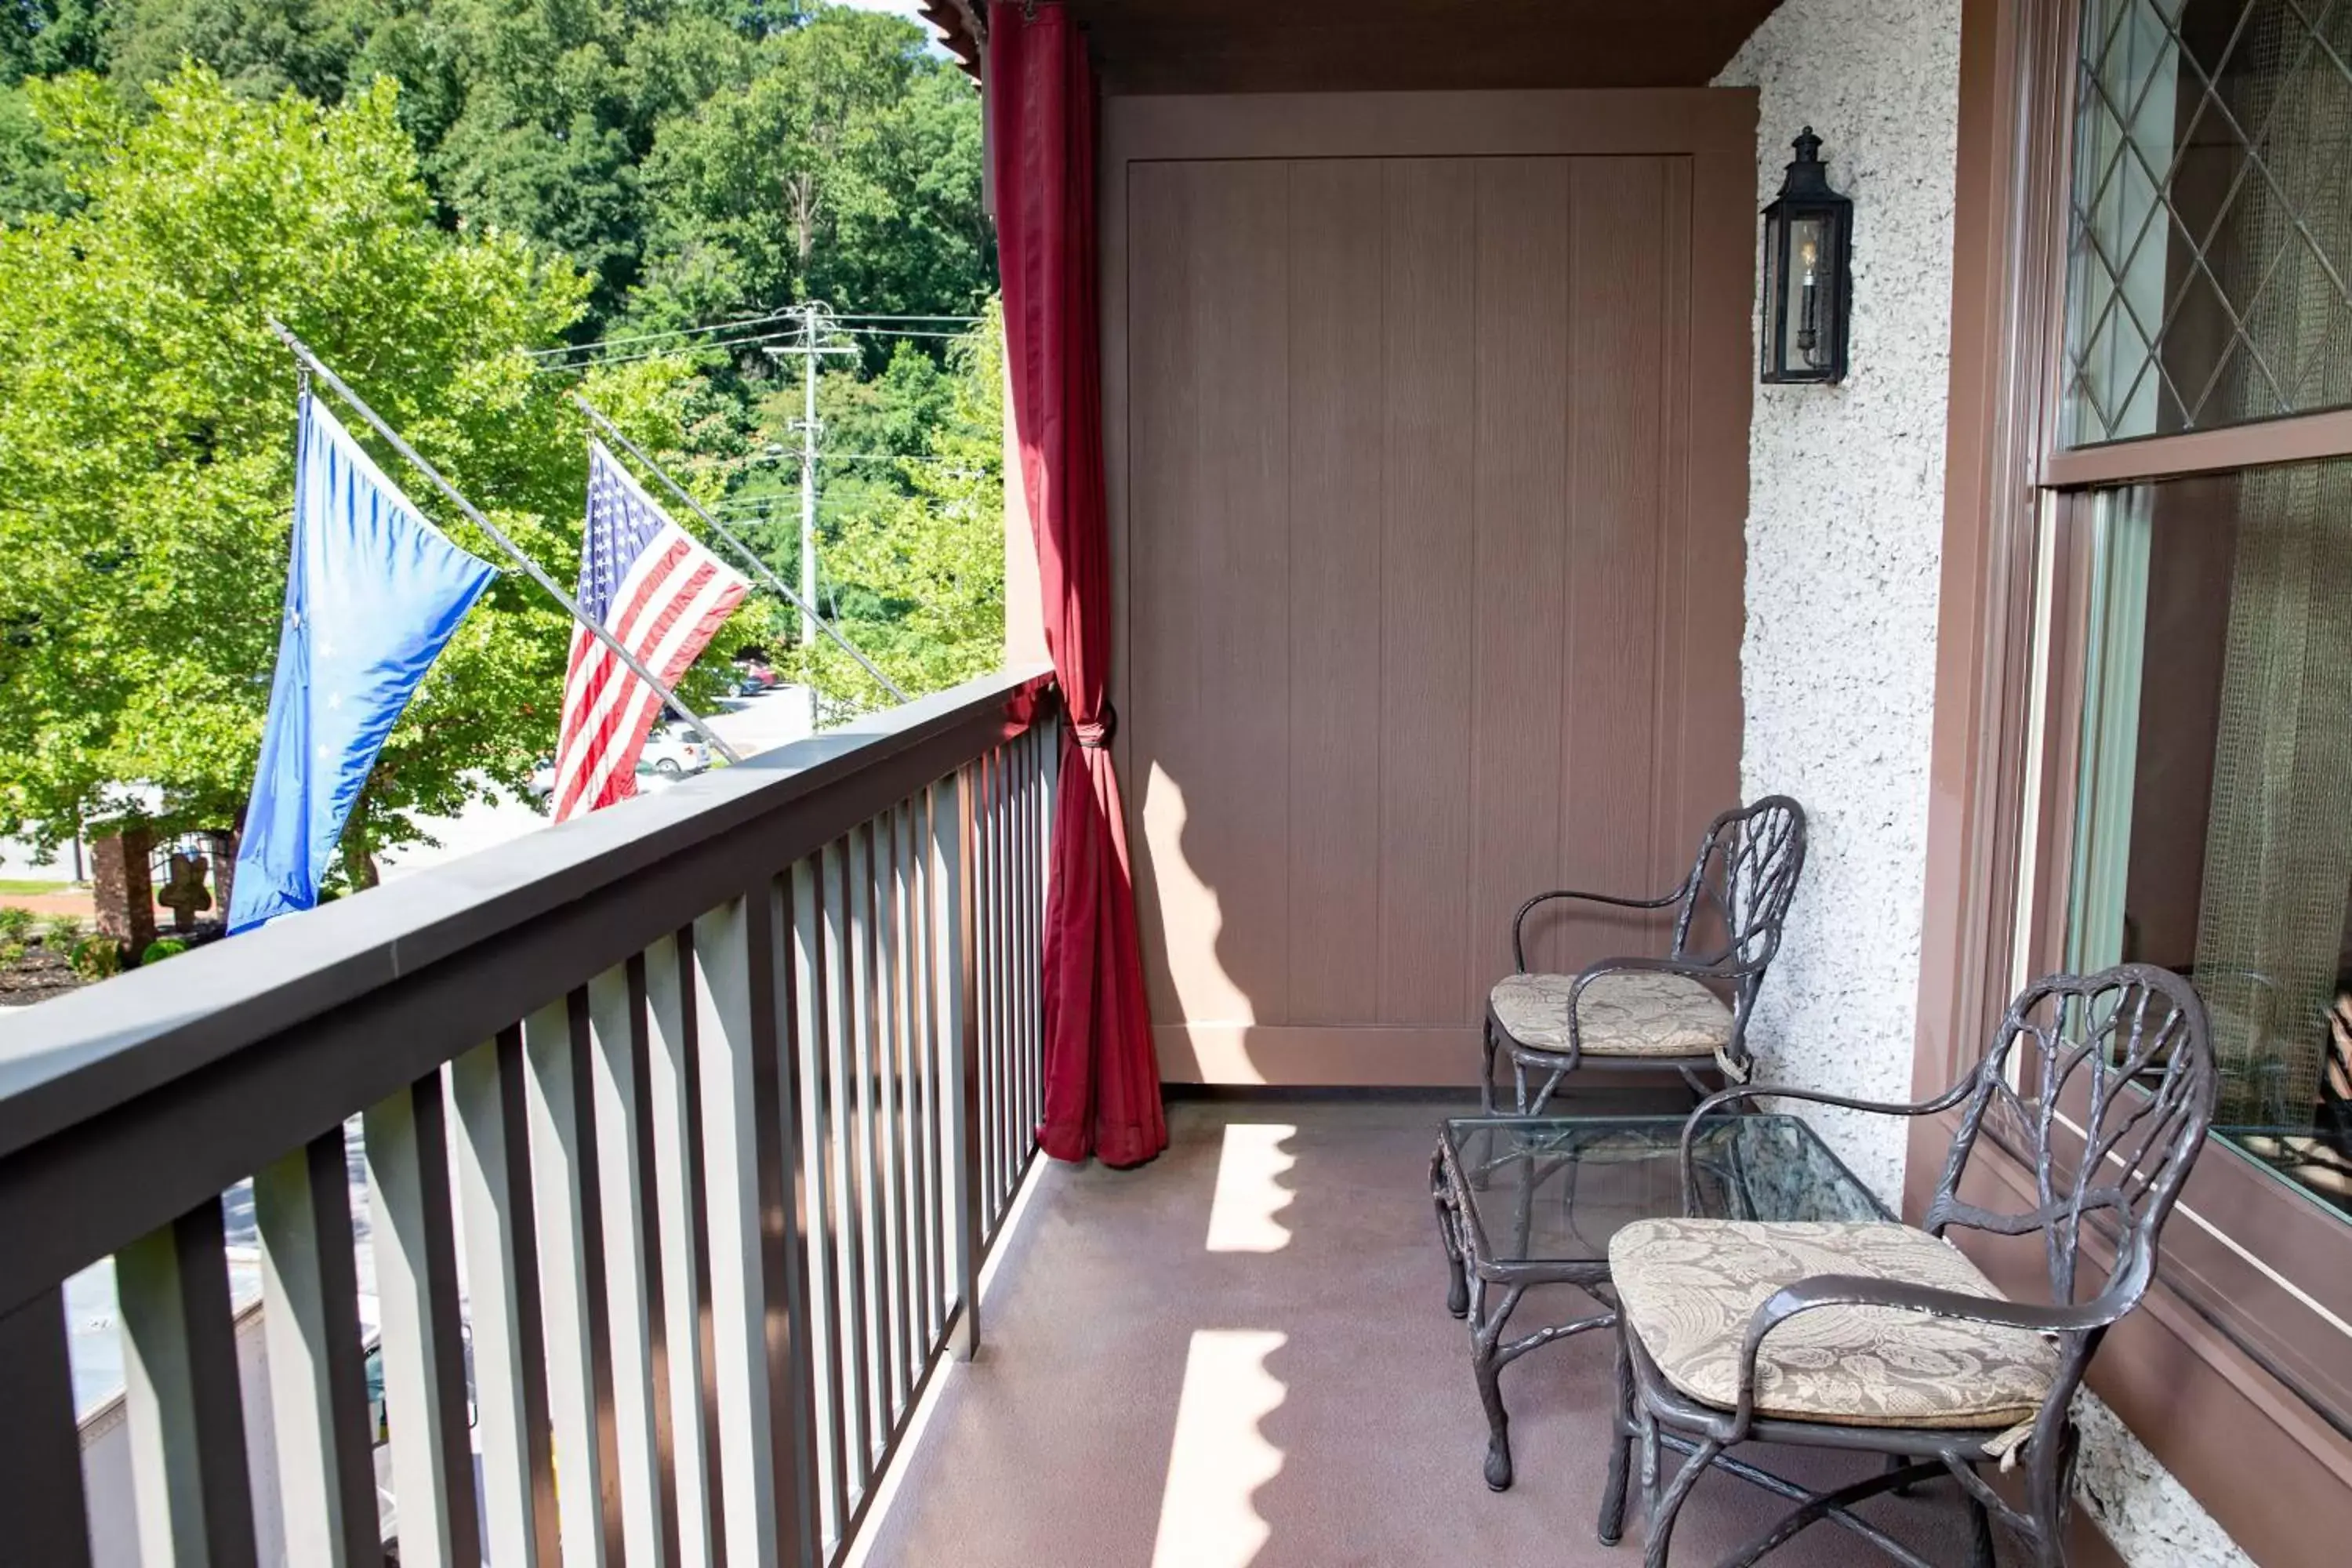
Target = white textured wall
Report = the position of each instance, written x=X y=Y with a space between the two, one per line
x=1844 y=530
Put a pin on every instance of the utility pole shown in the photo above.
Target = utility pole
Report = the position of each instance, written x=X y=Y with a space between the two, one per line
x=808 y=475
x=813 y=319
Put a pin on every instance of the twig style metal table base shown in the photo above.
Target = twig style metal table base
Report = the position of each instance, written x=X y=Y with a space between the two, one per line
x=1524 y=1201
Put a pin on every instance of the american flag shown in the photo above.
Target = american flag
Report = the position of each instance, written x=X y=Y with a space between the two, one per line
x=662 y=596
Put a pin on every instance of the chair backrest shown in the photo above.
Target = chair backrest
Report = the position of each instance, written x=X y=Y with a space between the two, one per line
x=2126 y=1056
x=1737 y=896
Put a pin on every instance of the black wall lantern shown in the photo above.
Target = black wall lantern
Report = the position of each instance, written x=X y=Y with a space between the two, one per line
x=1808 y=233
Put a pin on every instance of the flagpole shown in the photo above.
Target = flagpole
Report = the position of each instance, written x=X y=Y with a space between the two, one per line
x=749 y=556
x=318 y=366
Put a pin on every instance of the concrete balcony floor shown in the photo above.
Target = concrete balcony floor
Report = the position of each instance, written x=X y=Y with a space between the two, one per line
x=1240 y=1355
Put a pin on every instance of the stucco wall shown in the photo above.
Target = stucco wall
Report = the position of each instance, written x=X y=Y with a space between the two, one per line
x=1844 y=529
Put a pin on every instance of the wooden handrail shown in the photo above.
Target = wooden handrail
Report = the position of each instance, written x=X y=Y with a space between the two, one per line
x=92 y=1055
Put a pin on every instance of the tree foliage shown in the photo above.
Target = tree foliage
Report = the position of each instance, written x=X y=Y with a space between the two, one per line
x=146 y=447
x=733 y=157
x=423 y=188
x=917 y=574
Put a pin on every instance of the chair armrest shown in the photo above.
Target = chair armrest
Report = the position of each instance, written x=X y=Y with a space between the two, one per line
x=1519 y=921
x=1943 y=1102
x=1853 y=1291
x=1736 y=1092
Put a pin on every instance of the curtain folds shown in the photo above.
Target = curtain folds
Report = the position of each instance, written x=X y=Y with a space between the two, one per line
x=1102 y=1081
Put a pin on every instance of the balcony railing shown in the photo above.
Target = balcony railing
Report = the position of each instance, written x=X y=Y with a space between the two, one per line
x=686 y=1130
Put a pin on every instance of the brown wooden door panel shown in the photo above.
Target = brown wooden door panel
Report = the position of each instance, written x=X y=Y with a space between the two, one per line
x=1338 y=210
x=1421 y=836
x=1619 y=430
x=1405 y=527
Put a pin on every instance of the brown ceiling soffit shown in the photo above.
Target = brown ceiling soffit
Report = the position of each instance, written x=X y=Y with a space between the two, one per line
x=963 y=26
x=1220 y=46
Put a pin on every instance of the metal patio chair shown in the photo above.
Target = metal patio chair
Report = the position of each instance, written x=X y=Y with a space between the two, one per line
x=1655 y=1012
x=1883 y=1339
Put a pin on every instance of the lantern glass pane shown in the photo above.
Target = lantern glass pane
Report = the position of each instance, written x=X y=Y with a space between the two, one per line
x=1812 y=293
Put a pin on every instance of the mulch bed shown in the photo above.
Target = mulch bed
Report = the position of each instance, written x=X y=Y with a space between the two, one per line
x=37 y=977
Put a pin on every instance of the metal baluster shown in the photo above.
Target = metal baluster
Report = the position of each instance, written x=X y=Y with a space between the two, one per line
x=1004 y=963
x=1032 y=944
x=734 y=1001
x=565 y=1200
x=952 y=854
x=786 y=1214
x=840 y=1071
x=317 y=1377
x=989 y=869
x=872 y=1353
x=928 y=1037
x=186 y=1420
x=819 y=1092
x=630 y=1201
x=407 y=1139
x=674 y=1093
x=914 y=1037
x=500 y=1246
x=883 y=945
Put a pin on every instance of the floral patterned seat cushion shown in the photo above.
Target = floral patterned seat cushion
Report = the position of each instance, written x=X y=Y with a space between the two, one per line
x=1688 y=1287
x=1638 y=1013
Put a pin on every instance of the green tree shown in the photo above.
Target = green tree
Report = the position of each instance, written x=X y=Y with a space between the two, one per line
x=45 y=37
x=146 y=421
x=261 y=47
x=30 y=179
x=918 y=576
x=845 y=167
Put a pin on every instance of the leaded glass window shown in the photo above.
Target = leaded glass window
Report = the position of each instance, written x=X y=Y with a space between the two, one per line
x=2210 y=240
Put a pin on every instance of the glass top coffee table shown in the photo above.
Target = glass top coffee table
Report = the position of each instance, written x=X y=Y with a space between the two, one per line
x=1528 y=1201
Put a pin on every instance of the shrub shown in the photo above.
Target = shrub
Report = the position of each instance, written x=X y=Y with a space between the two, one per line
x=17 y=925
x=11 y=953
x=62 y=932
x=96 y=957
x=157 y=952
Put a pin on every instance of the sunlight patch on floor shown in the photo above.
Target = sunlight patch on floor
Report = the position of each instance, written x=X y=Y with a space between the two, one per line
x=1219 y=1458
x=1250 y=1194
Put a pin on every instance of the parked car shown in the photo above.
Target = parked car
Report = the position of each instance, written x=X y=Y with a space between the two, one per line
x=672 y=751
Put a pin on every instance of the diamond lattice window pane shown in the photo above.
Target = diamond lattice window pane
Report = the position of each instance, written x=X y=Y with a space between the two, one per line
x=2210 y=272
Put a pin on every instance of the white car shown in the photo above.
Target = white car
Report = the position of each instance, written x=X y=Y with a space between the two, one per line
x=672 y=751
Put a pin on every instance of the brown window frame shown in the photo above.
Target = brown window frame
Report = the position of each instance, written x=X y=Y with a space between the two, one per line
x=2244 y=1393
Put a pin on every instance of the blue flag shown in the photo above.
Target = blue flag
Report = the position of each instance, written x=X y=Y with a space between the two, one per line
x=372 y=593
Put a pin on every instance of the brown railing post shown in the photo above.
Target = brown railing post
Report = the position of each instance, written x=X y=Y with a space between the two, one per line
x=962 y=1032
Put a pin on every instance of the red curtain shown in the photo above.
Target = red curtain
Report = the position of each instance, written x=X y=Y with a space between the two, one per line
x=1102 y=1081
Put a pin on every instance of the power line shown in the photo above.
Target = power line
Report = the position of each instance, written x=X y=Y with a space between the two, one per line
x=665 y=354
x=715 y=330
x=650 y=337
x=899 y=333
x=745 y=343
x=754 y=459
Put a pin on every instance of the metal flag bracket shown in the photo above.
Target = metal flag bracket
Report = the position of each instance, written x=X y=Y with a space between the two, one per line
x=311 y=365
